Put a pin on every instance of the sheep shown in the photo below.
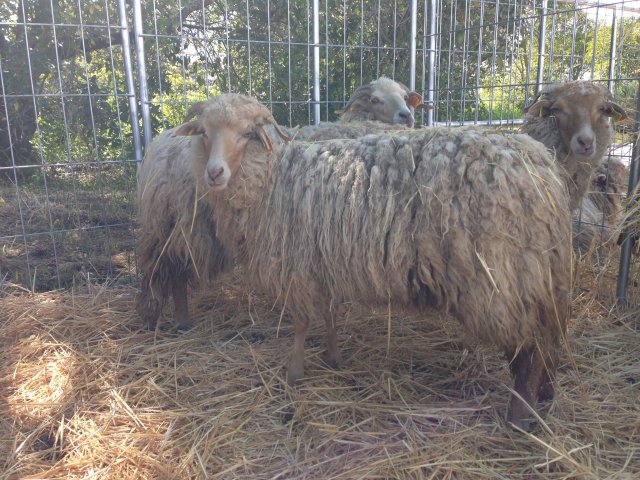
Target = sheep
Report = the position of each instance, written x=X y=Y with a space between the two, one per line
x=175 y=247
x=177 y=242
x=471 y=222
x=380 y=105
x=599 y=212
x=384 y=100
x=573 y=120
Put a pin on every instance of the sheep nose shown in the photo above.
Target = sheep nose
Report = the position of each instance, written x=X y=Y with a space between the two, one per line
x=214 y=174
x=406 y=118
x=586 y=142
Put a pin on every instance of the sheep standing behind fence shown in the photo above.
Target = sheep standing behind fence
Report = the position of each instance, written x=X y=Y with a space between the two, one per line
x=473 y=223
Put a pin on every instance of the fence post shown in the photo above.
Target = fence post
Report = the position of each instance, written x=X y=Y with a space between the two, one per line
x=542 y=39
x=612 y=51
x=412 y=45
x=128 y=73
x=142 y=73
x=432 y=61
x=316 y=62
x=626 y=239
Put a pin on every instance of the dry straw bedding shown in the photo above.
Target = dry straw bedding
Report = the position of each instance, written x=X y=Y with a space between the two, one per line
x=86 y=394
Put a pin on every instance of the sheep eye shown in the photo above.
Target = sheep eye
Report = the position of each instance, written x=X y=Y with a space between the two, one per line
x=249 y=135
x=555 y=110
x=375 y=100
x=607 y=110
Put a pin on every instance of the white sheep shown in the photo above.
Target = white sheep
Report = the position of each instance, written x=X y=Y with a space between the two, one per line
x=573 y=119
x=177 y=244
x=471 y=222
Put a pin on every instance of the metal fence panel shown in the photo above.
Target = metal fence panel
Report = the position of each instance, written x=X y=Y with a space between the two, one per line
x=69 y=146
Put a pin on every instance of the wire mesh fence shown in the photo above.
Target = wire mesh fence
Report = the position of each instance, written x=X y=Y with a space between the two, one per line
x=85 y=85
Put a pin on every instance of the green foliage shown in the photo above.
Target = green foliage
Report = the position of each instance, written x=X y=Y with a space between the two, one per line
x=66 y=97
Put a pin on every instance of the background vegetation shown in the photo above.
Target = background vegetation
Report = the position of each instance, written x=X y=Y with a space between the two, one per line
x=65 y=131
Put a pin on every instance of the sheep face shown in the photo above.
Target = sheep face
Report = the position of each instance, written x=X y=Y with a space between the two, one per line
x=226 y=125
x=386 y=101
x=579 y=112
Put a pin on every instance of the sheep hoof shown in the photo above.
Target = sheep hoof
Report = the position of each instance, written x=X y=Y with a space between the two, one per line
x=524 y=424
x=294 y=375
x=332 y=360
x=184 y=327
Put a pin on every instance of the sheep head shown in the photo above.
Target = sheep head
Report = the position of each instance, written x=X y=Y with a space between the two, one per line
x=384 y=100
x=227 y=124
x=580 y=110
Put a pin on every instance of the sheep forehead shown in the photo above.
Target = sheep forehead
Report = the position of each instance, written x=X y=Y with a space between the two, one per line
x=580 y=102
x=233 y=112
x=582 y=90
x=385 y=86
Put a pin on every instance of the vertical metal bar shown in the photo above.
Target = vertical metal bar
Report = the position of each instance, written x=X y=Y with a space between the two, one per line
x=128 y=74
x=542 y=39
x=625 y=238
x=612 y=51
x=250 y=92
x=316 y=62
x=142 y=73
x=412 y=45
x=432 y=60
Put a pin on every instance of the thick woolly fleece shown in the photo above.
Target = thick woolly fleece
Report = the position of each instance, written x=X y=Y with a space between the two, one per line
x=474 y=223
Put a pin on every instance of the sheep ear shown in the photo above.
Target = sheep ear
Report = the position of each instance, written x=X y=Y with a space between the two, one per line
x=414 y=99
x=190 y=128
x=363 y=92
x=617 y=112
x=195 y=110
x=266 y=141
x=539 y=108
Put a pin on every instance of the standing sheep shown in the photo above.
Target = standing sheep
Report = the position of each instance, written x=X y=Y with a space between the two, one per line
x=177 y=242
x=573 y=119
x=473 y=223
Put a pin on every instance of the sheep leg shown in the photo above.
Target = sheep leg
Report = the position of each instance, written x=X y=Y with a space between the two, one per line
x=179 y=294
x=531 y=379
x=296 y=364
x=149 y=302
x=333 y=357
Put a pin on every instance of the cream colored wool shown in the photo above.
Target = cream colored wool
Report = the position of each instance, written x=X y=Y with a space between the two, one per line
x=470 y=222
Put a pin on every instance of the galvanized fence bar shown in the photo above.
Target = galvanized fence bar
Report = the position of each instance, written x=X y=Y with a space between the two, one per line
x=316 y=62
x=626 y=237
x=142 y=73
x=128 y=72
